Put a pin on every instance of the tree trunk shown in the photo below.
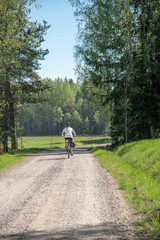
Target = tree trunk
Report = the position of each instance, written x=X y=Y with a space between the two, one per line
x=59 y=129
x=126 y=114
x=13 y=126
x=6 y=113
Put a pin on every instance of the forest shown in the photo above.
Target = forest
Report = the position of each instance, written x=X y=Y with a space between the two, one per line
x=63 y=101
x=118 y=67
x=119 y=53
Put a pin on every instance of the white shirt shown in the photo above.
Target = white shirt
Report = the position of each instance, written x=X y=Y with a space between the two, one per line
x=68 y=132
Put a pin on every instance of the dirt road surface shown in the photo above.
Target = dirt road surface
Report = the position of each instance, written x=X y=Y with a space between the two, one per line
x=49 y=196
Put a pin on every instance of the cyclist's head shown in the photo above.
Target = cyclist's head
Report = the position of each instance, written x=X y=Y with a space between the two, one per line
x=67 y=124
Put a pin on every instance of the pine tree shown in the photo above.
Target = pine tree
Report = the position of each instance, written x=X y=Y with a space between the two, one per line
x=20 y=55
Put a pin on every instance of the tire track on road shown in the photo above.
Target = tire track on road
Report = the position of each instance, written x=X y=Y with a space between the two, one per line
x=53 y=197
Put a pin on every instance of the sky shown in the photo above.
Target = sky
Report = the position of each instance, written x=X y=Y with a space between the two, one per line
x=59 y=40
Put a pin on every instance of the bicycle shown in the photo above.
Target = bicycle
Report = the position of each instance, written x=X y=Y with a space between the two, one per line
x=69 y=146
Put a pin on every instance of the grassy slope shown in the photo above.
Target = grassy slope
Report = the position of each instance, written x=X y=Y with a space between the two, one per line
x=136 y=167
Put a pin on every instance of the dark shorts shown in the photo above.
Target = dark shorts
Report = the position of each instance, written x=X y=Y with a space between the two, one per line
x=69 y=139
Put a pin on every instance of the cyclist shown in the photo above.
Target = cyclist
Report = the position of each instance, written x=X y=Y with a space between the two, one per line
x=68 y=133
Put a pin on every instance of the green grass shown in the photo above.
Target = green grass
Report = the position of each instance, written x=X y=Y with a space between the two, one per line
x=30 y=145
x=57 y=142
x=136 y=168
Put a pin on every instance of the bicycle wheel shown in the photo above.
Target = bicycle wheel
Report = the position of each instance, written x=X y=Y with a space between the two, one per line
x=68 y=149
x=68 y=153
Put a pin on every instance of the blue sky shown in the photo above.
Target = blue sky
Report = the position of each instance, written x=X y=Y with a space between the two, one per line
x=60 y=38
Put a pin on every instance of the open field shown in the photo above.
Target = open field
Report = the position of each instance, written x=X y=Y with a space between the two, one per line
x=136 y=168
x=57 y=142
x=29 y=145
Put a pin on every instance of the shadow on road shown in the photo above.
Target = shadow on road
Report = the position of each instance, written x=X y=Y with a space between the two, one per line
x=60 y=154
x=60 y=151
x=107 y=230
x=78 y=150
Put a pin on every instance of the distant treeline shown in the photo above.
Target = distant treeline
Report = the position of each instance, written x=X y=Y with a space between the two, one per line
x=63 y=101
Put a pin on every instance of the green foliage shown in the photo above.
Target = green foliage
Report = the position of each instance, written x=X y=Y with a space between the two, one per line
x=118 y=52
x=64 y=101
x=20 y=52
x=136 y=168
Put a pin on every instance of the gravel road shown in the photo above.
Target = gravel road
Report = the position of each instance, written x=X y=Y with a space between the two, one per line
x=48 y=196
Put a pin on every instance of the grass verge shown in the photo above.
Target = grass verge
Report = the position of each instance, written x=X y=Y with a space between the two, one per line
x=136 y=168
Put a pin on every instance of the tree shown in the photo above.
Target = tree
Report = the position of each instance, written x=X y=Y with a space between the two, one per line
x=87 y=125
x=77 y=121
x=118 y=51
x=20 y=55
x=146 y=64
x=99 y=51
x=59 y=118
